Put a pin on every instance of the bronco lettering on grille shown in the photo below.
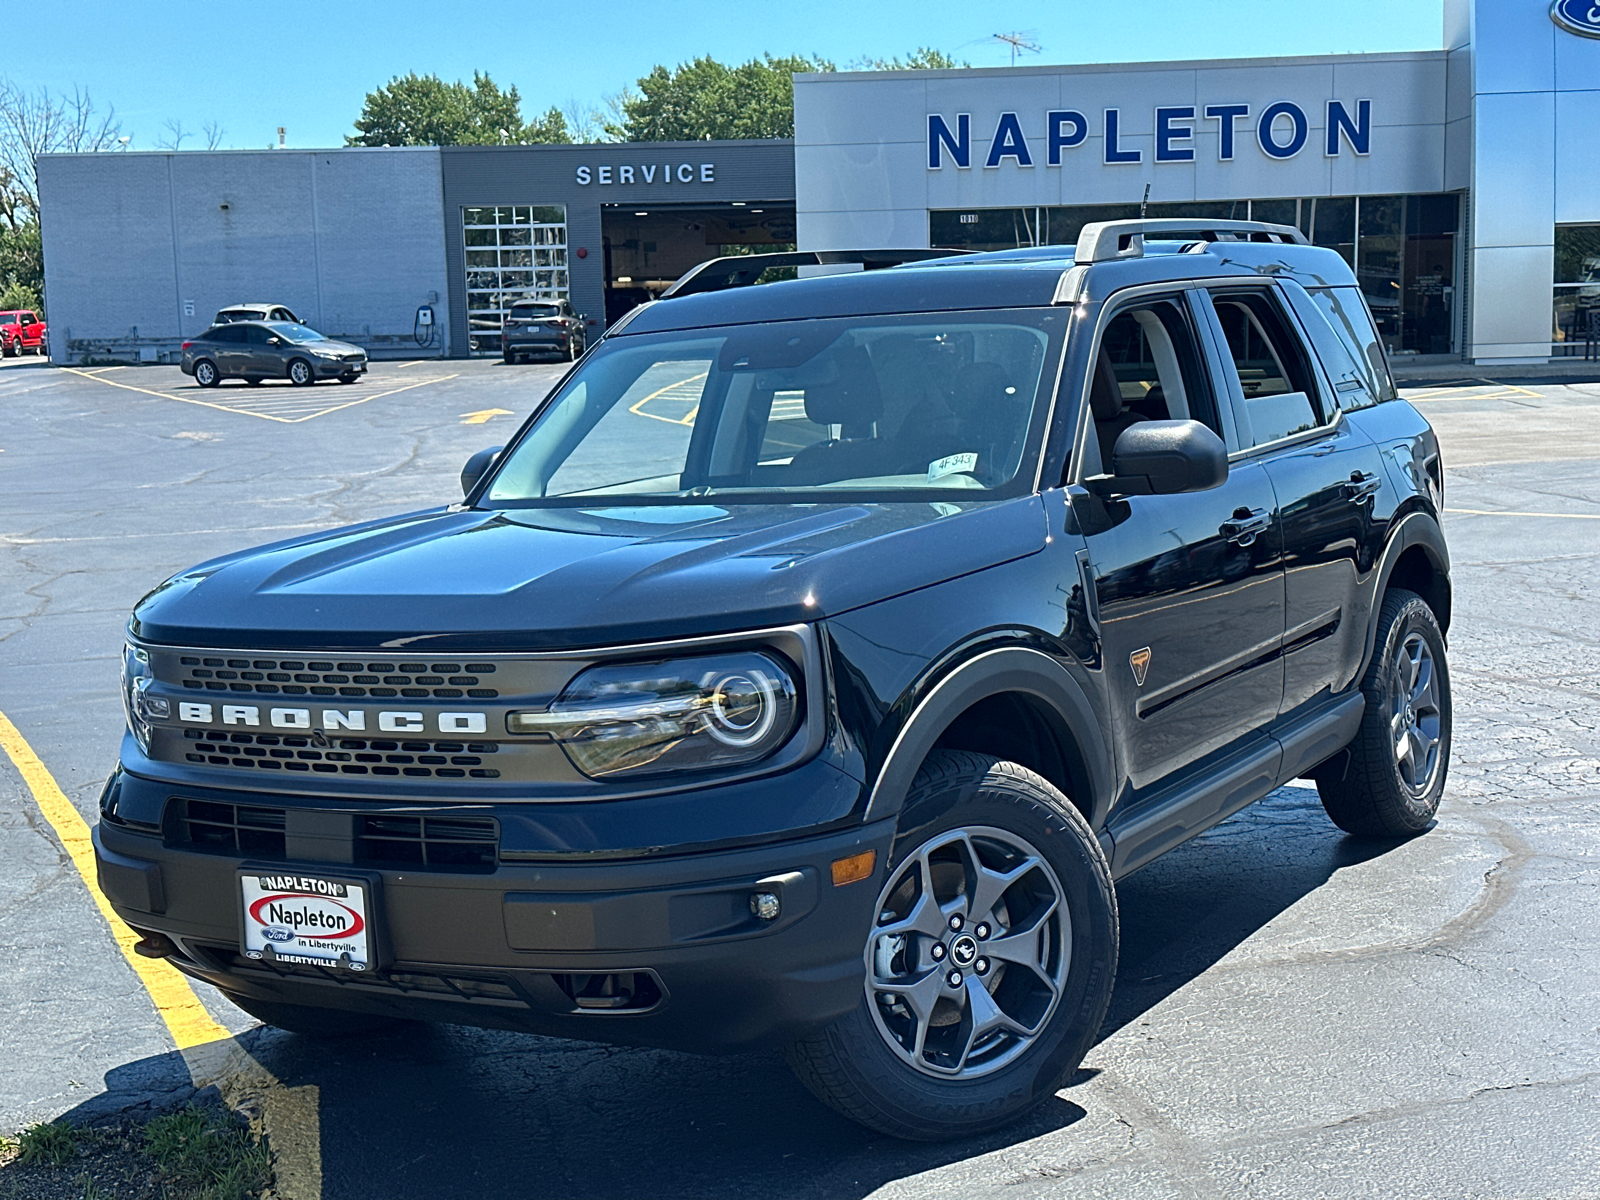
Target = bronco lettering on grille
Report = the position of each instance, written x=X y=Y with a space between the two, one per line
x=331 y=718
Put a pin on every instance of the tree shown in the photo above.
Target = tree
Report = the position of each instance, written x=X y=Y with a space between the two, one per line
x=923 y=58
x=44 y=122
x=708 y=99
x=21 y=267
x=423 y=110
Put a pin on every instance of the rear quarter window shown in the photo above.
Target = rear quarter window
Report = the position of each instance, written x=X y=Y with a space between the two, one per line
x=1346 y=342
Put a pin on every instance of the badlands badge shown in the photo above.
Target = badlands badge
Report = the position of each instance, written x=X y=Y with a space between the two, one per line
x=1139 y=660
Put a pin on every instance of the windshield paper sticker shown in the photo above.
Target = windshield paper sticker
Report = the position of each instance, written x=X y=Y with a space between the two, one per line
x=951 y=464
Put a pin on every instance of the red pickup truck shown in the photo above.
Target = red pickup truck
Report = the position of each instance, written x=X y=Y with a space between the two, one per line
x=21 y=331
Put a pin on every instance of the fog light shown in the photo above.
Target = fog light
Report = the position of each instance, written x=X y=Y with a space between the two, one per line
x=765 y=905
x=855 y=868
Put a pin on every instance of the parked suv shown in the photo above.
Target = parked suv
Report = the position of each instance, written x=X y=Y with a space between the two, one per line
x=809 y=667
x=542 y=327
x=22 y=331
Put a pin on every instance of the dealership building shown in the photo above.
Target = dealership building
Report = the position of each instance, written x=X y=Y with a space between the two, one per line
x=1461 y=184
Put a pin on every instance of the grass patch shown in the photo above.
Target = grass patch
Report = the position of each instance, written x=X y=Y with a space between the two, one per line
x=200 y=1152
x=52 y=1144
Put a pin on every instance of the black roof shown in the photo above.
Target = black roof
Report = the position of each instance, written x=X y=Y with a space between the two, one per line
x=1029 y=277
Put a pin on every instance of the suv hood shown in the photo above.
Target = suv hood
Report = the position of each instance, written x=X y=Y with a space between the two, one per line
x=532 y=579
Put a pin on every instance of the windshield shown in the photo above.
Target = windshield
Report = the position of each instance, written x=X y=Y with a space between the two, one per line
x=944 y=405
x=527 y=311
x=291 y=332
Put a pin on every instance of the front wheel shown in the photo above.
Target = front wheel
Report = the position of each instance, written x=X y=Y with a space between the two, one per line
x=1390 y=782
x=990 y=964
x=301 y=374
x=9 y=349
x=205 y=373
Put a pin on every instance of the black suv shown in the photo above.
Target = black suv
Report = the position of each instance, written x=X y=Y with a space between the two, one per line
x=809 y=667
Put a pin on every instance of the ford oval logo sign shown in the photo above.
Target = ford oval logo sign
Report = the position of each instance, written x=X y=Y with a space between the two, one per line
x=277 y=933
x=1577 y=16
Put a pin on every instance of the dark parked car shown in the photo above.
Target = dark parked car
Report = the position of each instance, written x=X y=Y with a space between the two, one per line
x=809 y=667
x=255 y=312
x=542 y=327
x=258 y=350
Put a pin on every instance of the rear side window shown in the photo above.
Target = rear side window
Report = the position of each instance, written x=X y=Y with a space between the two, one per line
x=1277 y=385
x=227 y=333
x=1342 y=332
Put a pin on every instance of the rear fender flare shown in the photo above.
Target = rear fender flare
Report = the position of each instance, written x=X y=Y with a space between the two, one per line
x=1007 y=669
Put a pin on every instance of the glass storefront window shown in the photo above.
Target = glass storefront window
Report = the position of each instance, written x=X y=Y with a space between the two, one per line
x=1576 y=302
x=1275 y=212
x=1333 y=224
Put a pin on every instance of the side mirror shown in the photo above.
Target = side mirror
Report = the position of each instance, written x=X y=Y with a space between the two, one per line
x=1164 y=458
x=274 y=341
x=477 y=467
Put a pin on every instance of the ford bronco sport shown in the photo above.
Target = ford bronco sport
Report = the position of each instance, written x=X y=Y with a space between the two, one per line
x=809 y=667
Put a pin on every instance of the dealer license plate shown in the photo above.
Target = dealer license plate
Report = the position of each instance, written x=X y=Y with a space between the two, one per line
x=313 y=919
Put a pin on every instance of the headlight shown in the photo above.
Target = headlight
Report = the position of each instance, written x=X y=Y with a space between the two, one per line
x=686 y=714
x=321 y=353
x=137 y=704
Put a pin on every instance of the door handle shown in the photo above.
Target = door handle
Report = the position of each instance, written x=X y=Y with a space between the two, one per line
x=1361 y=484
x=1245 y=524
x=1091 y=595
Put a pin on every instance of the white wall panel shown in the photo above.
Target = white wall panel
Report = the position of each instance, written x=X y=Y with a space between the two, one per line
x=1577 y=133
x=857 y=230
x=1514 y=184
x=1514 y=43
x=1511 y=300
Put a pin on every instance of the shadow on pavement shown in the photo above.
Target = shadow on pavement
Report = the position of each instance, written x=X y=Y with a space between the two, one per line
x=477 y=1115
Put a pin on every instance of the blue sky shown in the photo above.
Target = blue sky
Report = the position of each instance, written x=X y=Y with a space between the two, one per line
x=253 y=67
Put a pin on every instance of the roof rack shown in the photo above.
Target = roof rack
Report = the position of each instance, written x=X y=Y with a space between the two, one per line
x=1106 y=241
x=742 y=270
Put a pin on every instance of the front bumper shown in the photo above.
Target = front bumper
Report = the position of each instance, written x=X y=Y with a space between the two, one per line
x=332 y=368
x=529 y=945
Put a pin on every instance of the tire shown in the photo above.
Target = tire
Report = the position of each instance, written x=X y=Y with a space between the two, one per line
x=1393 y=776
x=206 y=373
x=301 y=373
x=917 y=1064
x=317 y=1022
x=572 y=351
x=10 y=349
x=348 y=378
x=508 y=358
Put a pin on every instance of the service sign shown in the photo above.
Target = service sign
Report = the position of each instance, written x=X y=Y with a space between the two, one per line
x=1577 y=16
x=308 y=919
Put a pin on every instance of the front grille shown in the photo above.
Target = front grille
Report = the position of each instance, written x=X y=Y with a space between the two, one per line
x=259 y=831
x=329 y=677
x=244 y=830
x=341 y=756
x=449 y=842
x=356 y=357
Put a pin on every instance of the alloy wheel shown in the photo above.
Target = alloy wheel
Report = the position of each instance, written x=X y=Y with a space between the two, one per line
x=1414 y=714
x=970 y=952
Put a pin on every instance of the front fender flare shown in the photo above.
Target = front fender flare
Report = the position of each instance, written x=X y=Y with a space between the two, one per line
x=1007 y=669
x=1416 y=528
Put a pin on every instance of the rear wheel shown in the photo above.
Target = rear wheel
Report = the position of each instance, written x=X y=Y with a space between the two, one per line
x=572 y=349
x=206 y=374
x=301 y=374
x=1390 y=781
x=989 y=967
x=316 y=1022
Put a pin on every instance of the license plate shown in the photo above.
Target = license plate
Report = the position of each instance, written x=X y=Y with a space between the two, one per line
x=318 y=920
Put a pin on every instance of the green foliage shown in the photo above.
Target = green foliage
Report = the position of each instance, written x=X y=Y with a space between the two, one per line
x=423 y=110
x=923 y=58
x=21 y=267
x=208 y=1154
x=708 y=99
x=53 y=1144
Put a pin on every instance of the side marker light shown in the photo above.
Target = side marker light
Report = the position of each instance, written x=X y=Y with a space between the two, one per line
x=855 y=868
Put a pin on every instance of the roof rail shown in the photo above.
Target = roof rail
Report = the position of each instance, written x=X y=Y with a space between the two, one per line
x=742 y=270
x=1106 y=241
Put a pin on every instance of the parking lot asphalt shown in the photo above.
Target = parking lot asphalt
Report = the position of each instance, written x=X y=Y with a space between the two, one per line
x=1296 y=1013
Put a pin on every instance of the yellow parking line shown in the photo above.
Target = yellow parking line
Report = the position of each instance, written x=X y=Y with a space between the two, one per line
x=1484 y=512
x=186 y=1018
x=688 y=420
